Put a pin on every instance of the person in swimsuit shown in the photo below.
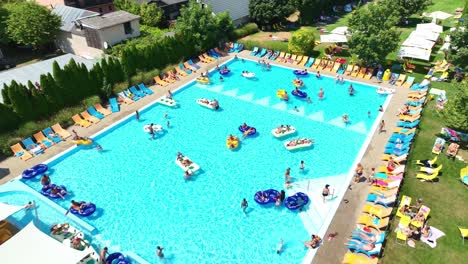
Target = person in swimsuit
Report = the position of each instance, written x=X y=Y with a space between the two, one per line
x=302 y=166
x=320 y=94
x=325 y=192
x=45 y=180
x=287 y=175
x=77 y=206
x=391 y=164
x=244 y=205
x=159 y=252
x=103 y=254
x=358 y=172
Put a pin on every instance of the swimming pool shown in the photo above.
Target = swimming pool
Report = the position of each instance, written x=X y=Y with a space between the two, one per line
x=143 y=200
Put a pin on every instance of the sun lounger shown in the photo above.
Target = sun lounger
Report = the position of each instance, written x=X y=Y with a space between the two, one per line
x=275 y=55
x=193 y=64
x=102 y=110
x=91 y=110
x=405 y=200
x=51 y=135
x=182 y=67
x=408 y=82
x=435 y=149
x=218 y=51
x=409 y=118
x=41 y=139
x=404 y=131
x=207 y=57
x=131 y=95
x=309 y=62
x=317 y=62
x=385 y=193
x=424 y=210
x=362 y=72
x=287 y=56
x=351 y=258
x=377 y=210
x=397 y=159
x=80 y=121
x=31 y=146
x=408 y=124
x=356 y=246
x=382 y=200
x=281 y=56
x=329 y=66
x=464 y=175
x=426 y=177
x=190 y=67
x=374 y=222
x=158 y=80
x=452 y=150
x=144 y=88
x=89 y=117
x=369 y=73
x=20 y=152
x=215 y=54
x=432 y=170
x=180 y=72
x=389 y=184
x=430 y=73
x=400 y=80
x=114 y=105
x=261 y=53
x=168 y=78
x=336 y=67
x=305 y=59
x=125 y=98
x=349 y=69
x=355 y=71
x=357 y=235
x=401 y=138
x=323 y=64
x=297 y=60
x=203 y=59
x=62 y=132
x=292 y=58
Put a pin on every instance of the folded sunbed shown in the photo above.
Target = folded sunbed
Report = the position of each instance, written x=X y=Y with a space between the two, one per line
x=62 y=132
x=144 y=88
x=114 y=105
x=54 y=137
x=41 y=139
x=20 y=152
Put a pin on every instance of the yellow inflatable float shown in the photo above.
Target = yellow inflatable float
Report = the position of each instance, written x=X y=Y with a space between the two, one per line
x=232 y=142
x=203 y=80
x=298 y=83
x=83 y=141
x=386 y=75
x=282 y=94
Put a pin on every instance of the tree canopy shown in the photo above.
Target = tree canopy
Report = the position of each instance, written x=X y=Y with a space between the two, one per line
x=151 y=15
x=302 y=42
x=459 y=48
x=373 y=31
x=31 y=24
x=456 y=108
x=267 y=12
x=406 y=8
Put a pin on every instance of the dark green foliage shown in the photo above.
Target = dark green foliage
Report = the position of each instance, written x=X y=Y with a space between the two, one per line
x=225 y=26
x=455 y=113
x=267 y=12
x=9 y=119
x=459 y=46
x=273 y=45
x=406 y=8
x=6 y=99
x=39 y=102
x=246 y=30
x=51 y=92
x=20 y=100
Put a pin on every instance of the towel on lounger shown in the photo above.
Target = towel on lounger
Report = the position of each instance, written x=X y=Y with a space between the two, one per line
x=432 y=239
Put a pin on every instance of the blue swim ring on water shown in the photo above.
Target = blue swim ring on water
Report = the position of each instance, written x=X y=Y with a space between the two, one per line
x=85 y=211
x=292 y=202
x=224 y=71
x=300 y=72
x=116 y=258
x=304 y=197
x=272 y=194
x=46 y=191
x=258 y=198
x=251 y=133
x=299 y=93
x=34 y=171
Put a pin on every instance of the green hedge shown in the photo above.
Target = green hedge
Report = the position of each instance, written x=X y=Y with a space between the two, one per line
x=143 y=77
x=246 y=30
x=273 y=45
x=27 y=129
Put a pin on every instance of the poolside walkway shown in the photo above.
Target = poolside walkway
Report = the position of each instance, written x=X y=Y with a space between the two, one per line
x=344 y=221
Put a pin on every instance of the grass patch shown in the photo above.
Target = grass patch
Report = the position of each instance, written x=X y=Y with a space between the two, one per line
x=446 y=198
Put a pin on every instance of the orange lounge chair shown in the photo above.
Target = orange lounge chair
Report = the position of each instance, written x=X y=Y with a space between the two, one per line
x=20 y=152
x=60 y=131
x=298 y=60
x=355 y=71
x=322 y=65
x=202 y=59
x=400 y=80
x=220 y=52
x=167 y=78
x=80 y=121
x=336 y=67
x=89 y=117
x=41 y=139
x=316 y=64
x=158 y=80
x=208 y=57
x=281 y=56
x=180 y=72
x=329 y=66
x=369 y=73
x=349 y=69
x=305 y=59
x=102 y=110
x=190 y=67
x=292 y=59
x=362 y=72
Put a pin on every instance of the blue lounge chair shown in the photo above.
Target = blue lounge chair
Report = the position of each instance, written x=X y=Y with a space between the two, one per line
x=144 y=88
x=212 y=54
x=240 y=47
x=216 y=53
x=181 y=66
x=309 y=62
x=275 y=55
x=134 y=90
x=380 y=238
x=397 y=152
x=395 y=145
x=342 y=68
x=357 y=248
x=408 y=124
x=30 y=145
x=234 y=48
x=395 y=78
x=254 y=51
x=114 y=105
x=92 y=111
x=403 y=139
x=51 y=135
x=262 y=53
x=193 y=64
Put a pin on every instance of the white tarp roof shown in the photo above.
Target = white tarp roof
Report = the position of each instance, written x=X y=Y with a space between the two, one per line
x=430 y=26
x=340 y=31
x=30 y=245
x=419 y=43
x=416 y=53
x=6 y=210
x=439 y=15
x=333 y=38
x=426 y=34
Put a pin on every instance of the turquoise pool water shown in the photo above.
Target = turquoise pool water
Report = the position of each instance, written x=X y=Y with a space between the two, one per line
x=143 y=200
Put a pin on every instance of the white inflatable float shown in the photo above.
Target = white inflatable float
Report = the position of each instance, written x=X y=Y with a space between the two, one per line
x=248 y=74
x=284 y=132
x=206 y=103
x=166 y=101
x=293 y=144
x=67 y=233
x=156 y=128
x=193 y=166
x=383 y=90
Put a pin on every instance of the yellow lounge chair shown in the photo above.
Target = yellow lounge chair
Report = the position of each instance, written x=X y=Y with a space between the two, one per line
x=323 y=65
x=292 y=59
x=202 y=59
x=424 y=210
x=408 y=82
x=373 y=222
x=286 y=58
x=362 y=72
x=168 y=78
x=158 y=80
x=42 y=139
x=431 y=170
x=441 y=66
x=60 y=131
x=464 y=233
x=298 y=60
x=377 y=210
x=433 y=161
x=180 y=72
x=349 y=69
x=464 y=175
x=336 y=67
x=316 y=64
x=397 y=159
x=400 y=80
x=369 y=73
x=304 y=61
x=20 y=152
x=426 y=177
x=404 y=131
x=280 y=57
x=351 y=258
x=329 y=66
x=102 y=110
x=405 y=200
x=80 y=121
x=208 y=57
x=355 y=71
x=89 y=117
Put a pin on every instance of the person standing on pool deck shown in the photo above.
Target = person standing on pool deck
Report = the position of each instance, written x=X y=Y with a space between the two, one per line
x=325 y=192
x=159 y=252
x=302 y=166
x=244 y=206
x=104 y=252
x=137 y=115
x=382 y=126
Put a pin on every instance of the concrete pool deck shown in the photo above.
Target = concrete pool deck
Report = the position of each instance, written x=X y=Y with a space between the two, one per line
x=344 y=221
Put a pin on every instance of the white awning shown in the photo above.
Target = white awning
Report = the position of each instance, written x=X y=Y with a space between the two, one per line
x=333 y=38
x=418 y=43
x=6 y=210
x=340 y=31
x=30 y=245
x=416 y=53
x=426 y=34
x=430 y=26
x=439 y=15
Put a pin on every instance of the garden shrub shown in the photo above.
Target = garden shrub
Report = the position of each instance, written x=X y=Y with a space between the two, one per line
x=246 y=30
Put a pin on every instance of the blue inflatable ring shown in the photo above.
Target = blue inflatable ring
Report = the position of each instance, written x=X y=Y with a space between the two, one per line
x=272 y=195
x=34 y=171
x=251 y=133
x=46 y=191
x=86 y=211
x=258 y=198
x=299 y=93
x=224 y=71
x=116 y=256
x=292 y=201
x=300 y=72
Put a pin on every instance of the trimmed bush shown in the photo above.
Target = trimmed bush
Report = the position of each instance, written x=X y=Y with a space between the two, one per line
x=143 y=77
x=302 y=42
x=273 y=45
x=246 y=30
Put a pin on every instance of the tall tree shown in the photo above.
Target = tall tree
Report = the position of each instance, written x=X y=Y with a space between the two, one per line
x=455 y=112
x=267 y=12
x=31 y=24
x=127 y=5
x=6 y=99
x=151 y=15
x=406 y=8
x=459 y=46
x=20 y=100
x=51 y=92
x=9 y=120
x=39 y=102
x=373 y=31
x=302 y=42
x=225 y=25
x=309 y=9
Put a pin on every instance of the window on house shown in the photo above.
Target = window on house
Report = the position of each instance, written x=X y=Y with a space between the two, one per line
x=110 y=8
x=100 y=10
x=128 y=28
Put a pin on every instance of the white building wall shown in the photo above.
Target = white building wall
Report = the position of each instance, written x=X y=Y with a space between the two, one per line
x=76 y=44
x=238 y=9
x=116 y=34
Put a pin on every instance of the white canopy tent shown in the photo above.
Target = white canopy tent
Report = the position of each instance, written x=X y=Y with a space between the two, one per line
x=30 y=245
x=6 y=210
x=426 y=34
x=439 y=15
x=340 y=31
x=413 y=52
x=333 y=38
x=418 y=43
x=430 y=27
